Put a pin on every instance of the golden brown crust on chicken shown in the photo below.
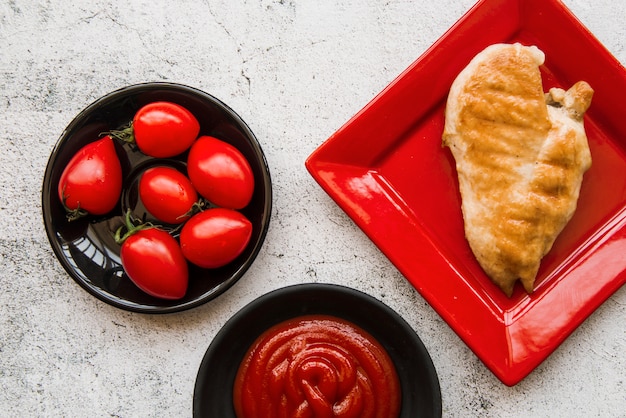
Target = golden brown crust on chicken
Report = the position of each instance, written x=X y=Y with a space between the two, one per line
x=520 y=156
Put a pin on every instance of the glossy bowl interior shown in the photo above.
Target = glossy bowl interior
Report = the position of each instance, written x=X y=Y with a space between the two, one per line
x=421 y=395
x=86 y=247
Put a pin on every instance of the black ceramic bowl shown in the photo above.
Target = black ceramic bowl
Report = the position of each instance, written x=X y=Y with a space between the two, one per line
x=86 y=247
x=421 y=395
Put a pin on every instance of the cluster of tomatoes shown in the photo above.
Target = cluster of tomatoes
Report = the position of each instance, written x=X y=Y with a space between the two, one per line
x=201 y=205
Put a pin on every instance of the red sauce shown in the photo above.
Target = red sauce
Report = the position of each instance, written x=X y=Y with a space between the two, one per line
x=316 y=366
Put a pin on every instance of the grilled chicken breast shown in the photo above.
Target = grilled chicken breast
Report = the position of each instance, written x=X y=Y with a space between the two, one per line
x=520 y=157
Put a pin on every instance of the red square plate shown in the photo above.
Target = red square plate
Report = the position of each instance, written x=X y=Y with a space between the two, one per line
x=387 y=170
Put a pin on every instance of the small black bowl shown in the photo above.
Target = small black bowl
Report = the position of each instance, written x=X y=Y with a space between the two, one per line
x=421 y=395
x=86 y=247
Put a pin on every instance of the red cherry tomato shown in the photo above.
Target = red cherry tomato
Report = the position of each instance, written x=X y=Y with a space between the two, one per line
x=152 y=259
x=220 y=173
x=164 y=129
x=215 y=237
x=92 y=180
x=167 y=194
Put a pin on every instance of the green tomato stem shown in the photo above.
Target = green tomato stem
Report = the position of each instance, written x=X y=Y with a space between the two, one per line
x=197 y=207
x=130 y=227
x=72 y=214
x=125 y=135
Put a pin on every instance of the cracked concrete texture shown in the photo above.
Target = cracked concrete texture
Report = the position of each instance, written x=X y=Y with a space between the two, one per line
x=295 y=71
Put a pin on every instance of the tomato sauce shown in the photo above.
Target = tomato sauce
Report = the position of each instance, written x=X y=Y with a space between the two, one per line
x=316 y=366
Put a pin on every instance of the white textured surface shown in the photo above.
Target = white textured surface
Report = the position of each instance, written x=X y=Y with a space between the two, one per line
x=295 y=71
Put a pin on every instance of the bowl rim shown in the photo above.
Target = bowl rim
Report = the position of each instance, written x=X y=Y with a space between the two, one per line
x=252 y=313
x=47 y=190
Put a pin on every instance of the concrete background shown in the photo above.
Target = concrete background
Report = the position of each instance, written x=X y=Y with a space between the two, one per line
x=295 y=70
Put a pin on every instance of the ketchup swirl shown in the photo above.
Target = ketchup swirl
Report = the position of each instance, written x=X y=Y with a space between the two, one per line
x=316 y=366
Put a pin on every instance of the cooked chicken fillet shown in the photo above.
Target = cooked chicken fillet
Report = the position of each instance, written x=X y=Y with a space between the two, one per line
x=520 y=157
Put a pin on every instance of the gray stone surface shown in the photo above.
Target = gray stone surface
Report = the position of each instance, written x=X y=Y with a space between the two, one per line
x=295 y=71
